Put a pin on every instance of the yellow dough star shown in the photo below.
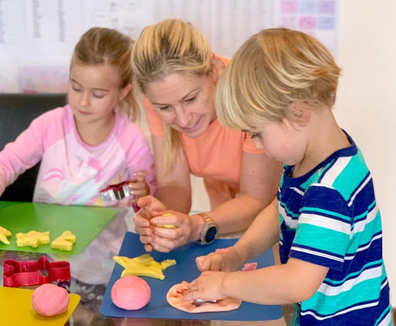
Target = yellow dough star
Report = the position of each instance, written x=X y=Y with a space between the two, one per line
x=32 y=239
x=64 y=242
x=144 y=265
x=4 y=233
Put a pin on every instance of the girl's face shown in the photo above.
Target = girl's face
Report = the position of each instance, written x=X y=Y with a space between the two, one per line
x=284 y=141
x=185 y=102
x=93 y=93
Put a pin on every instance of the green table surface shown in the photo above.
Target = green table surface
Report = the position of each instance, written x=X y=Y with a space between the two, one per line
x=83 y=221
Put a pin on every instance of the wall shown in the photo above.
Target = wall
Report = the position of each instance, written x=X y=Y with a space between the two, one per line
x=366 y=103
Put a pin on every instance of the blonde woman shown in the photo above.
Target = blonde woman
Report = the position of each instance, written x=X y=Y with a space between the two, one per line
x=177 y=73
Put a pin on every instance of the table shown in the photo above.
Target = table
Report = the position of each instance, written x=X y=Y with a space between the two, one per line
x=87 y=311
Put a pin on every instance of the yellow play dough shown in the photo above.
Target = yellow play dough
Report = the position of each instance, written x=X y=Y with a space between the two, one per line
x=167 y=226
x=32 y=239
x=4 y=233
x=64 y=241
x=144 y=265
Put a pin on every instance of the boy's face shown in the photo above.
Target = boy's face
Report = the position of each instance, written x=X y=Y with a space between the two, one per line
x=284 y=141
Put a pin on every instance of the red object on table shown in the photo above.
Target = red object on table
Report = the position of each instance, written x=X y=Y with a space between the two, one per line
x=118 y=192
x=30 y=273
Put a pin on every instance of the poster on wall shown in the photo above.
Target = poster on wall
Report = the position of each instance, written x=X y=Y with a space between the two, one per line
x=37 y=37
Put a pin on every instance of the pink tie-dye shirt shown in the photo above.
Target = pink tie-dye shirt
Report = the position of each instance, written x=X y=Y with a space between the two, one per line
x=72 y=172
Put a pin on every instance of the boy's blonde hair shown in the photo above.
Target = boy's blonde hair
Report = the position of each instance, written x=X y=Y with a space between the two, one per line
x=169 y=47
x=104 y=46
x=271 y=70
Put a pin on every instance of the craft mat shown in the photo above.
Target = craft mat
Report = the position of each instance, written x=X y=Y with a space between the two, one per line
x=84 y=221
x=184 y=270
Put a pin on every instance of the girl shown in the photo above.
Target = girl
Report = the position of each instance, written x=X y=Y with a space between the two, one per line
x=90 y=143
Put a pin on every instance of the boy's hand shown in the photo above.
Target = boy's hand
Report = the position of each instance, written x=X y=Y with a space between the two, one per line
x=206 y=287
x=219 y=261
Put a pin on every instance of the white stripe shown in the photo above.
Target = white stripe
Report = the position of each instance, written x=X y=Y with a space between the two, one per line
x=386 y=321
x=363 y=306
x=359 y=226
x=332 y=290
x=300 y=192
x=288 y=220
x=378 y=236
x=358 y=190
x=335 y=170
x=315 y=253
x=327 y=223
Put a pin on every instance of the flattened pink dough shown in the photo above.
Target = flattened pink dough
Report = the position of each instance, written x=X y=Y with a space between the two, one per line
x=50 y=300
x=130 y=293
x=175 y=294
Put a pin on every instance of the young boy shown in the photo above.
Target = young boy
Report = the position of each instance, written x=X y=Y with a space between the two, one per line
x=280 y=87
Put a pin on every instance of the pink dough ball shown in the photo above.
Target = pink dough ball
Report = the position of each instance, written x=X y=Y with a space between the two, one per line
x=130 y=293
x=50 y=300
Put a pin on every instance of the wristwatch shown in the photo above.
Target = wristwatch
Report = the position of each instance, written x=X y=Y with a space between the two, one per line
x=209 y=231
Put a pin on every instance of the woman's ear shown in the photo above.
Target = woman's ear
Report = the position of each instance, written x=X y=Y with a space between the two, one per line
x=217 y=67
x=125 y=91
x=299 y=112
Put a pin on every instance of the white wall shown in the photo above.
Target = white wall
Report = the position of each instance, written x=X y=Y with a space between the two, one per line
x=366 y=103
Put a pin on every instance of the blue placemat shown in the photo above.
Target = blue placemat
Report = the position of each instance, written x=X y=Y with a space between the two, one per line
x=184 y=270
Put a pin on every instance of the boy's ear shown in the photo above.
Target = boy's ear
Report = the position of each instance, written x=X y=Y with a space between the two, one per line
x=217 y=67
x=125 y=91
x=298 y=112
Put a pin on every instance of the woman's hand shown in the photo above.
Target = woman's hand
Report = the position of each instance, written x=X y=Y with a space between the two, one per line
x=206 y=287
x=228 y=261
x=149 y=207
x=172 y=229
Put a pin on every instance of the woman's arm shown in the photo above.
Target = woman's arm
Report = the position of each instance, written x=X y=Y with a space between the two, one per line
x=260 y=177
x=174 y=187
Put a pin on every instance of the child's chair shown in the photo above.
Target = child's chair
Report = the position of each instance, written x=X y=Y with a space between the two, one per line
x=16 y=113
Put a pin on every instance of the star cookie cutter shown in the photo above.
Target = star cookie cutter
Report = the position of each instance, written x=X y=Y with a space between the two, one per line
x=30 y=273
x=118 y=192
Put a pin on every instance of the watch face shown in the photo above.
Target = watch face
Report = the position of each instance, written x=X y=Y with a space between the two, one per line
x=211 y=234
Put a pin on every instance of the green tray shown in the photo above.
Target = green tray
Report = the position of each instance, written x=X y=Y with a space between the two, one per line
x=85 y=222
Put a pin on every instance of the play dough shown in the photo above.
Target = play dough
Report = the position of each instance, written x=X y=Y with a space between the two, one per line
x=64 y=241
x=4 y=233
x=50 y=300
x=130 y=293
x=144 y=265
x=32 y=238
x=175 y=294
x=167 y=226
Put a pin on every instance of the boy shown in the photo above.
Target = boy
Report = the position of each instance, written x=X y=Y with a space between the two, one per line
x=280 y=87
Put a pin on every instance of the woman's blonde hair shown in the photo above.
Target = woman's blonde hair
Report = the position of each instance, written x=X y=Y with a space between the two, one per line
x=104 y=46
x=271 y=70
x=169 y=47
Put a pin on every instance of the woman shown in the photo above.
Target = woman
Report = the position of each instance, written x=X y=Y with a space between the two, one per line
x=177 y=73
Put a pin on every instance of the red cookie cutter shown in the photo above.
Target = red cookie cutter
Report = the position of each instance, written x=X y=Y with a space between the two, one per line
x=29 y=273
x=118 y=192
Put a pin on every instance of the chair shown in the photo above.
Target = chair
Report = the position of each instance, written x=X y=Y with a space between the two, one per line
x=16 y=113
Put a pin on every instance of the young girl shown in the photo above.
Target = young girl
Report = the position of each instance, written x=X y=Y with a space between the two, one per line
x=280 y=87
x=85 y=146
x=90 y=143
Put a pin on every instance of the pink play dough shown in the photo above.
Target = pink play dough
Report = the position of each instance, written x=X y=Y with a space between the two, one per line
x=130 y=293
x=50 y=300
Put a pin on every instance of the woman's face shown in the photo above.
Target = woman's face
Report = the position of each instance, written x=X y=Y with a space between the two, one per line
x=185 y=102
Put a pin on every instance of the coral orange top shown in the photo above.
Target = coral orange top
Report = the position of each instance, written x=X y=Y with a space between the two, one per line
x=216 y=155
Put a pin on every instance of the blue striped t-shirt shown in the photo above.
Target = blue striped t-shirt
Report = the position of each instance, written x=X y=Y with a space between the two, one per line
x=330 y=217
